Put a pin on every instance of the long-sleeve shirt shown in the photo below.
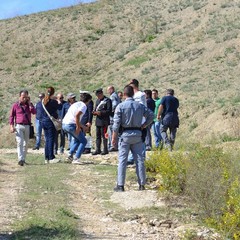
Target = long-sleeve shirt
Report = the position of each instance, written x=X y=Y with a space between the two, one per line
x=129 y=114
x=17 y=116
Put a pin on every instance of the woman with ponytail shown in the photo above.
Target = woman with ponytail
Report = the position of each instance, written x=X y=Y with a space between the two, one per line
x=51 y=106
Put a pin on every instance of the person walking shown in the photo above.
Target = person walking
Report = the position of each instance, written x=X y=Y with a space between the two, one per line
x=115 y=101
x=168 y=114
x=38 y=123
x=102 y=111
x=128 y=120
x=156 y=123
x=73 y=126
x=51 y=106
x=20 y=121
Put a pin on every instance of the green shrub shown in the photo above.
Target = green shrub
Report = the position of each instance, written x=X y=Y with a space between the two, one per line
x=171 y=167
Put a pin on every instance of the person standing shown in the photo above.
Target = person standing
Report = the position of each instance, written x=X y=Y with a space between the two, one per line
x=140 y=97
x=115 y=101
x=151 y=106
x=73 y=126
x=20 y=121
x=128 y=120
x=168 y=114
x=120 y=95
x=102 y=111
x=156 y=123
x=71 y=98
x=87 y=121
x=38 y=123
x=51 y=106
x=61 y=101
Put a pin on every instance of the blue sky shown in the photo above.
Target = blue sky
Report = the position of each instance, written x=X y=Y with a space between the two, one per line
x=13 y=8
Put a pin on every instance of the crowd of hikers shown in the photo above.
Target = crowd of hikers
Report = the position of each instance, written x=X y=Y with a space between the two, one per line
x=124 y=121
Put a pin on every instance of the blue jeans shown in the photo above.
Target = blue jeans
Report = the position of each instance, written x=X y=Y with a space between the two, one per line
x=78 y=142
x=134 y=144
x=49 y=133
x=156 y=133
x=38 y=133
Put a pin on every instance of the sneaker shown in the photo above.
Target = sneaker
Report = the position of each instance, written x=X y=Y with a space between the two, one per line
x=119 y=188
x=46 y=161
x=69 y=159
x=55 y=160
x=21 y=163
x=141 y=188
x=76 y=161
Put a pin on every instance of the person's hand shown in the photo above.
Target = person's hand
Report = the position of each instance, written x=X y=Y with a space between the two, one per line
x=12 y=129
x=88 y=124
x=78 y=129
x=96 y=113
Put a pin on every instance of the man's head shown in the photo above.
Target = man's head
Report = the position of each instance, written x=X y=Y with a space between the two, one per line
x=134 y=83
x=85 y=97
x=99 y=93
x=120 y=94
x=60 y=97
x=128 y=91
x=71 y=97
x=170 y=91
x=148 y=93
x=154 y=93
x=23 y=96
x=110 y=90
x=41 y=96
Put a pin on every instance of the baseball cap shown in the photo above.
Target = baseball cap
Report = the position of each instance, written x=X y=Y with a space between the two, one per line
x=71 y=95
x=98 y=91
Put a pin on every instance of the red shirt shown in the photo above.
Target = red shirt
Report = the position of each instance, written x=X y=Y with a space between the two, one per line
x=17 y=115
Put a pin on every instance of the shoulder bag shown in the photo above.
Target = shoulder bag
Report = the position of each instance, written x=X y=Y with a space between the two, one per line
x=56 y=122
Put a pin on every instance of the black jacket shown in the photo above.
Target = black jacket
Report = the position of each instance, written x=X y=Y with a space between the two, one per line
x=105 y=107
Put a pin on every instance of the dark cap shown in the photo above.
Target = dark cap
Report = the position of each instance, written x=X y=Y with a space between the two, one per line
x=41 y=95
x=98 y=91
x=71 y=95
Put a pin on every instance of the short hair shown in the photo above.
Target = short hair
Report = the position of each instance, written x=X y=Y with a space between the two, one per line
x=155 y=90
x=128 y=91
x=23 y=91
x=170 y=91
x=85 y=97
x=134 y=82
x=148 y=92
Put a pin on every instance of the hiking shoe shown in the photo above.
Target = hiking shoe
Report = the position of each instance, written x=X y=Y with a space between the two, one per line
x=21 y=163
x=35 y=148
x=119 y=188
x=141 y=188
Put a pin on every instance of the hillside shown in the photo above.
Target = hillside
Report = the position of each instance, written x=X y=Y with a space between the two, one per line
x=190 y=46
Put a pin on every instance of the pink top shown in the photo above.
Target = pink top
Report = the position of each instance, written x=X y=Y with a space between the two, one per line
x=17 y=115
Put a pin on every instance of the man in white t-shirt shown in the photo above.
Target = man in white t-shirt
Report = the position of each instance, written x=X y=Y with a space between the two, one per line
x=72 y=124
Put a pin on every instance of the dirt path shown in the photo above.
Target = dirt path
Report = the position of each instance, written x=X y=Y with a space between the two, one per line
x=88 y=201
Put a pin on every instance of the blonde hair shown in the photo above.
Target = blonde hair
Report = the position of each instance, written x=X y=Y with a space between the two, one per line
x=49 y=93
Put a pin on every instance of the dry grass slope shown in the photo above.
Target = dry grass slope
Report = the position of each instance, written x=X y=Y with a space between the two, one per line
x=191 y=46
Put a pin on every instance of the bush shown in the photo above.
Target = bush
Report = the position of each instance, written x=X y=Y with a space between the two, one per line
x=171 y=167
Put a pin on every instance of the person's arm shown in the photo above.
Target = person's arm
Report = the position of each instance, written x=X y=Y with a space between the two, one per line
x=160 y=110
x=12 y=118
x=116 y=124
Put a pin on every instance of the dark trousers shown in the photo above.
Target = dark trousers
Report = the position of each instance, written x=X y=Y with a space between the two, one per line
x=62 y=141
x=49 y=133
x=101 y=136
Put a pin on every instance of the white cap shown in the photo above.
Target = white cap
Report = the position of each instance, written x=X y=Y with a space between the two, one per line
x=81 y=91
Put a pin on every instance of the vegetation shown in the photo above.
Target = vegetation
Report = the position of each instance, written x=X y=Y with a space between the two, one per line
x=209 y=177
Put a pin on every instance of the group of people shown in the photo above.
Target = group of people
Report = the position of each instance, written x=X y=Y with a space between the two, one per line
x=123 y=123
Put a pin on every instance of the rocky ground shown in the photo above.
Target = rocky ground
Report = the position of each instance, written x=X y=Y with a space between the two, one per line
x=97 y=220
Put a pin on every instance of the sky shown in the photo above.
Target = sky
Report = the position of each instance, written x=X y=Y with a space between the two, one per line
x=13 y=8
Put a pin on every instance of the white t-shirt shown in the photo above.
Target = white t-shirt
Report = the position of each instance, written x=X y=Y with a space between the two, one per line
x=140 y=97
x=72 y=112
